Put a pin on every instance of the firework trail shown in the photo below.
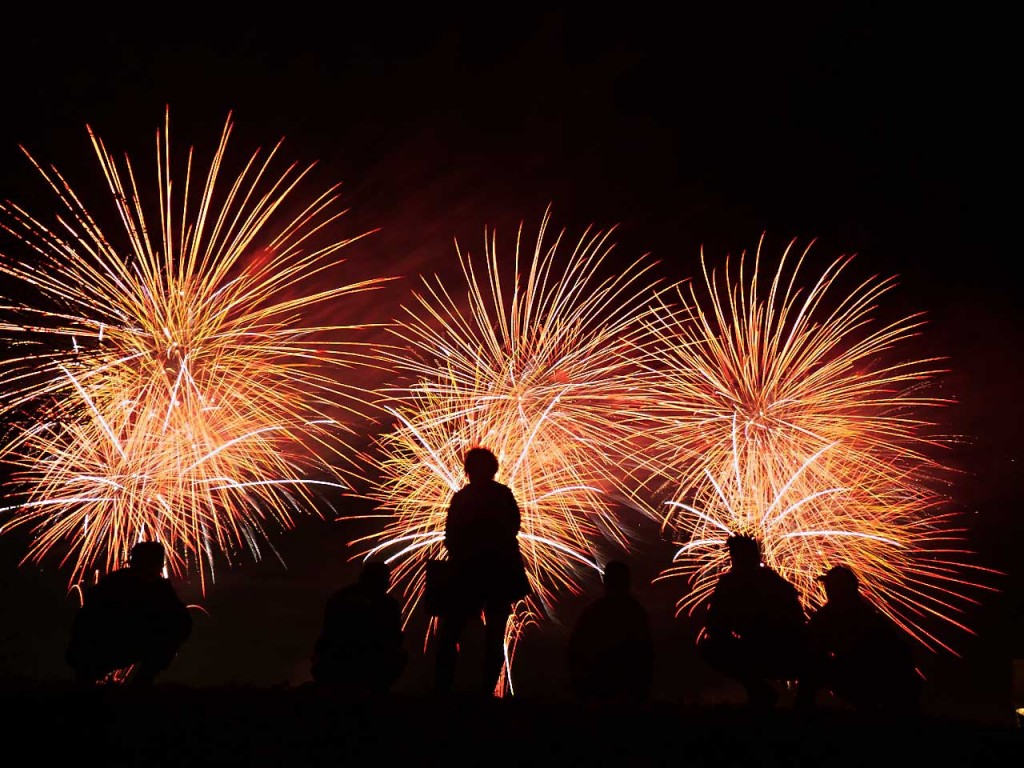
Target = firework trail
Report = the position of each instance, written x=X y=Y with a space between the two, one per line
x=163 y=383
x=796 y=420
x=543 y=372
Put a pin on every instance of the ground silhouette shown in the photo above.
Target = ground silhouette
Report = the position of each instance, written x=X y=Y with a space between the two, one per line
x=168 y=726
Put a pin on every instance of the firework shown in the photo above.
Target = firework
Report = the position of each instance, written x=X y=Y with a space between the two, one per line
x=543 y=371
x=797 y=420
x=165 y=383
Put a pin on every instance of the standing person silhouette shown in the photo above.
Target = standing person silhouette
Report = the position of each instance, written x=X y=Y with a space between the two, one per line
x=131 y=618
x=360 y=647
x=611 y=647
x=481 y=537
x=857 y=652
x=755 y=630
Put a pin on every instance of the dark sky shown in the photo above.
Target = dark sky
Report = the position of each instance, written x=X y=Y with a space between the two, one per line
x=875 y=133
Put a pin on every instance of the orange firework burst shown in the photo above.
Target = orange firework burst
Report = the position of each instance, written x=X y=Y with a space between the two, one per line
x=545 y=375
x=797 y=422
x=166 y=386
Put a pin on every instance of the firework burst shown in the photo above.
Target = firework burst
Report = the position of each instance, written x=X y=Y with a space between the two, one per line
x=164 y=383
x=544 y=372
x=796 y=420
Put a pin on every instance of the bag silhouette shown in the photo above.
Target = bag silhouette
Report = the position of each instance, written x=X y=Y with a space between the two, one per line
x=437 y=596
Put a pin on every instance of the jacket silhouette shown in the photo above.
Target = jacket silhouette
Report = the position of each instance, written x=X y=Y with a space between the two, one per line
x=857 y=652
x=755 y=630
x=132 y=618
x=361 y=643
x=487 y=573
x=611 y=647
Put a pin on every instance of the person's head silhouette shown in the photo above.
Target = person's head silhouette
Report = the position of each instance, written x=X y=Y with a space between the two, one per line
x=840 y=583
x=480 y=464
x=617 y=577
x=147 y=556
x=744 y=551
x=376 y=576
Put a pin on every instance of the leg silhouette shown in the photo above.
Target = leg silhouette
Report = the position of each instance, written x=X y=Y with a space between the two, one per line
x=448 y=636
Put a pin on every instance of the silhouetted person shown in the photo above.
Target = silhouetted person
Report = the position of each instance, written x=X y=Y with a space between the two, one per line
x=755 y=630
x=132 y=617
x=361 y=644
x=481 y=537
x=857 y=652
x=611 y=647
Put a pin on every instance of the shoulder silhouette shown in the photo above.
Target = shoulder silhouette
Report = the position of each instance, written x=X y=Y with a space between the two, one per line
x=361 y=644
x=486 y=568
x=611 y=648
x=857 y=652
x=131 y=621
x=755 y=628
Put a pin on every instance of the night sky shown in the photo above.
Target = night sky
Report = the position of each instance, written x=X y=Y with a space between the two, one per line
x=871 y=133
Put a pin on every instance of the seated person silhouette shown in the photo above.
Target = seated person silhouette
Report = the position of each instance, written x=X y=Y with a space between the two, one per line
x=755 y=630
x=857 y=652
x=131 y=621
x=611 y=647
x=360 y=647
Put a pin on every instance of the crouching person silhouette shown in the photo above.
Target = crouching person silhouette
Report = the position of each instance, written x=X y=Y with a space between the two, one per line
x=858 y=653
x=481 y=537
x=131 y=620
x=610 y=653
x=755 y=630
x=361 y=648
